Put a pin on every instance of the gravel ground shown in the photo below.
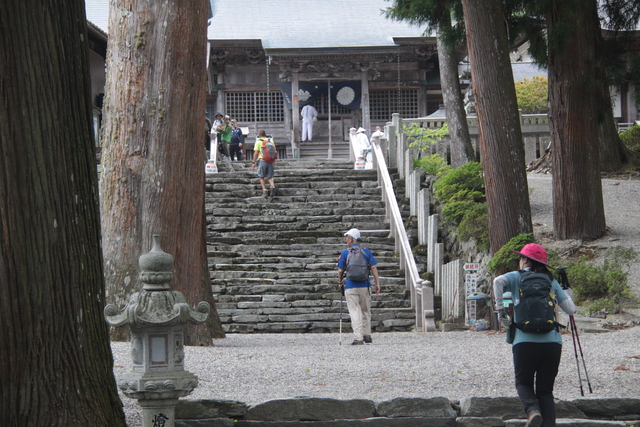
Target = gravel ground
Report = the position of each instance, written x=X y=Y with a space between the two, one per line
x=622 y=212
x=256 y=368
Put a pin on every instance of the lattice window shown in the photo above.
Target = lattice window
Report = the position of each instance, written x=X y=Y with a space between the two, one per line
x=255 y=106
x=383 y=103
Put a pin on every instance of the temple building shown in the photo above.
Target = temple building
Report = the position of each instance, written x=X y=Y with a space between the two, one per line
x=268 y=59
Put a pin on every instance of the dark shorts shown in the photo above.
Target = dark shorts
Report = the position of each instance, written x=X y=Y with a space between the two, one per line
x=265 y=169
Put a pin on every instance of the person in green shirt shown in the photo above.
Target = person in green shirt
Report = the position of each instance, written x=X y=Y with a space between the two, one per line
x=225 y=130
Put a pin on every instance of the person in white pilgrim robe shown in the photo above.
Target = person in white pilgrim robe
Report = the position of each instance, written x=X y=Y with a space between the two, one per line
x=309 y=115
x=364 y=146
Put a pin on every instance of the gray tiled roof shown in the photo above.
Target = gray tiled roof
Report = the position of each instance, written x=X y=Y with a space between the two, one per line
x=98 y=13
x=526 y=70
x=290 y=24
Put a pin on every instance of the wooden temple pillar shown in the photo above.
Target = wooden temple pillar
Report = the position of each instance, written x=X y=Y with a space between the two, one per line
x=364 y=103
x=295 y=114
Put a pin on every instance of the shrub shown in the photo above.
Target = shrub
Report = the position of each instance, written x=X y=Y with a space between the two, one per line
x=463 y=183
x=604 y=286
x=422 y=138
x=432 y=165
x=474 y=224
x=504 y=260
x=461 y=191
x=631 y=138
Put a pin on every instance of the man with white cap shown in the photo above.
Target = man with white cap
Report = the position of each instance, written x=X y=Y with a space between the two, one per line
x=357 y=292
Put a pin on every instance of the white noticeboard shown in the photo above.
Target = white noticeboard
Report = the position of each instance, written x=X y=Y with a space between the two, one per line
x=471 y=283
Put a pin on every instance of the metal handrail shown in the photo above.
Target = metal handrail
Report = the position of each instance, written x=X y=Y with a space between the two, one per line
x=421 y=290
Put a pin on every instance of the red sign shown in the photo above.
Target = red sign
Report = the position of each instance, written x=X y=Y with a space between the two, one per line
x=472 y=266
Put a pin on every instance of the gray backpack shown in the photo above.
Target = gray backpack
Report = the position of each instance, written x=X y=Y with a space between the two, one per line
x=358 y=265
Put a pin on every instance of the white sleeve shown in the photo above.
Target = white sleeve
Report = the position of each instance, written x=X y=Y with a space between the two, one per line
x=499 y=284
x=568 y=306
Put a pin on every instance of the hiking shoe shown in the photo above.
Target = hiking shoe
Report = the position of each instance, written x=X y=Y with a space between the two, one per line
x=367 y=339
x=272 y=191
x=534 y=419
x=265 y=193
x=357 y=342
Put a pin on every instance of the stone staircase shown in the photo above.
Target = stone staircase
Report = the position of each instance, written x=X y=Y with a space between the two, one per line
x=273 y=262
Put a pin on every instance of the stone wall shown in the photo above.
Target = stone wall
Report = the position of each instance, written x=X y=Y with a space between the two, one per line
x=402 y=411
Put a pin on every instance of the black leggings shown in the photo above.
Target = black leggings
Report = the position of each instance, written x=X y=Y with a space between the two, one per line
x=537 y=363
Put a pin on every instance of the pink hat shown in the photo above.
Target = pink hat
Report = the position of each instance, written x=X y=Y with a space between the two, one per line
x=534 y=252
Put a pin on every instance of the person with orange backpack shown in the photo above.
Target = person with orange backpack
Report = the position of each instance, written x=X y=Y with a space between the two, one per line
x=265 y=154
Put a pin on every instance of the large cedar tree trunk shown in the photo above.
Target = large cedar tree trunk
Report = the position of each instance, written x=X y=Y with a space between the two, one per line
x=501 y=147
x=612 y=151
x=153 y=156
x=461 y=147
x=577 y=187
x=56 y=367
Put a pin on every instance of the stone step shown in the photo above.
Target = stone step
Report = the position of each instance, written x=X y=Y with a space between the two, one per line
x=388 y=278
x=313 y=319
x=324 y=305
x=400 y=412
x=273 y=261
x=280 y=234
x=310 y=251
x=311 y=262
x=312 y=219
x=297 y=209
x=318 y=164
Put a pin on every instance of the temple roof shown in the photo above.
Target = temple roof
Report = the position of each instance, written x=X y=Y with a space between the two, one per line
x=308 y=24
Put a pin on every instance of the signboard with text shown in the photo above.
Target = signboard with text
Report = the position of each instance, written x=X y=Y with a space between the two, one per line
x=472 y=266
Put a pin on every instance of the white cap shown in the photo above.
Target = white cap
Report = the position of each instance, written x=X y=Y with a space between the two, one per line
x=361 y=130
x=354 y=232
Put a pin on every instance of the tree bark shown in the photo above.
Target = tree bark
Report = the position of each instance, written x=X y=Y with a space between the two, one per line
x=612 y=151
x=152 y=156
x=573 y=91
x=56 y=366
x=501 y=147
x=461 y=148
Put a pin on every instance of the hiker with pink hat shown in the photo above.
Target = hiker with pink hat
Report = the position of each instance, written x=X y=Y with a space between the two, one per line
x=534 y=331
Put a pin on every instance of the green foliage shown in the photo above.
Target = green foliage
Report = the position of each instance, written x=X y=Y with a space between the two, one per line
x=604 y=286
x=474 y=224
x=504 y=260
x=432 y=165
x=463 y=183
x=423 y=138
x=631 y=138
x=532 y=95
x=434 y=14
x=461 y=191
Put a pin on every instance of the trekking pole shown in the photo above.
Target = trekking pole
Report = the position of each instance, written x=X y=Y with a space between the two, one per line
x=584 y=365
x=341 y=286
x=575 y=352
x=574 y=334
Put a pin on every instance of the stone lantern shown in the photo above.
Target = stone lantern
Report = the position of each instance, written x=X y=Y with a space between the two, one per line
x=156 y=316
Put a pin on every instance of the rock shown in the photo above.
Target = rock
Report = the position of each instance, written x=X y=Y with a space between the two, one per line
x=310 y=409
x=207 y=409
x=502 y=407
x=438 y=407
